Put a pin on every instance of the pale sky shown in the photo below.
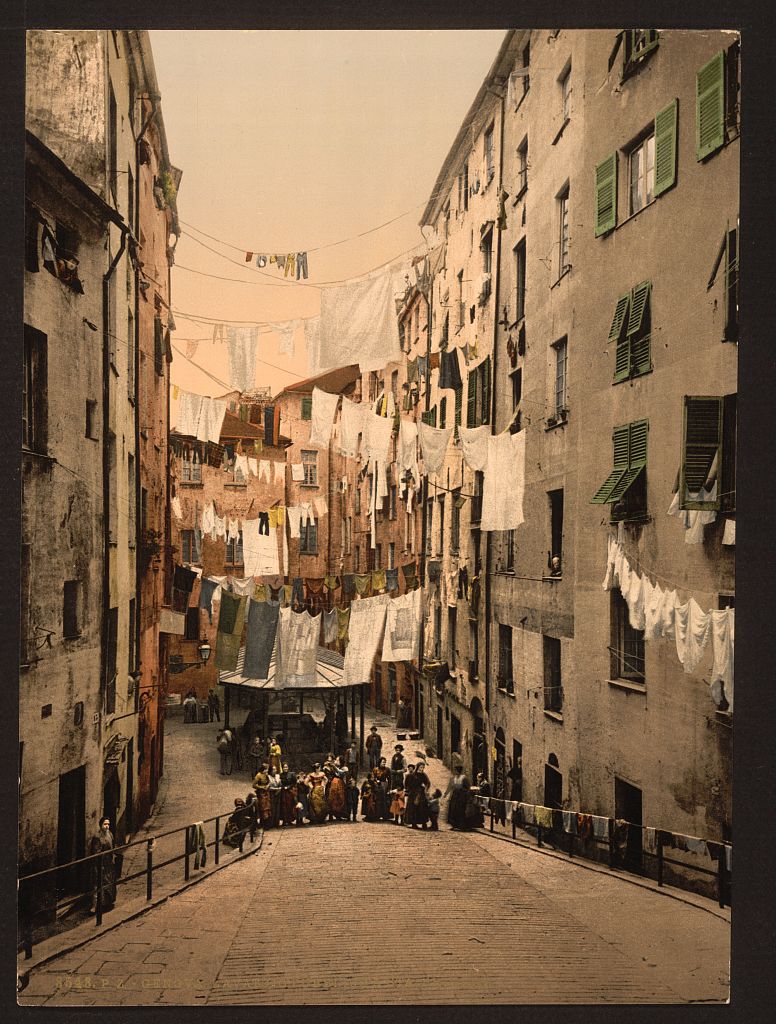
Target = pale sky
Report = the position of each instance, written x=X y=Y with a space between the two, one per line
x=295 y=139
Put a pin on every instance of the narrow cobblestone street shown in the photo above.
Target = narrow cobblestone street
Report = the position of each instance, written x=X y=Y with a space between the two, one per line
x=528 y=927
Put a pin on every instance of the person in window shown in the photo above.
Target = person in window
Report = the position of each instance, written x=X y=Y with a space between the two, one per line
x=102 y=842
x=555 y=566
x=458 y=791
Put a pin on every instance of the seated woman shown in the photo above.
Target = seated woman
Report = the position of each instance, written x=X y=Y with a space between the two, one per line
x=317 y=798
x=237 y=824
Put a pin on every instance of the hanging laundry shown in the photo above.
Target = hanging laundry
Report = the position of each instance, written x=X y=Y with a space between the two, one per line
x=241 y=465
x=570 y=822
x=314 y=586
x=175 y=505
x=261 y=629
x=248 y=257
x=301 y=265
x=402 y=627
x=324 y=406
x=449 y=370
x=352 y=423
x=215 y=455
x=285 y=332
x=434 y=570
x=634 y=598
x=208 y=521
x=653 y=606
x=502 y=507
x=260 y=592
x=543 y=816
x=391 y=579
x=219 y=334
x=232 y=530
x=367 y=618
x=433 y=446
x=600 y=826
x=330 y=626
x=729 y=534
x=363 y=583
x=408 y=452
x=261 y=260
x=264 y=523
x=253 y=466
x=286 y=595
x=281 y=514
x=231 y=619
x=220 y=526
x=668 y=613
x=260 y=551
x=297 y=591
x=272 y=425
x=343 y=621
x=243 y=587
x=377 y=437
x=279 y=473
x=348 y=586
x=412 y=371
x=241 y=343
x=694 y=520
x=693 y=628
x=273 y=519
x=358 y=323
x=378 y=580
x=294 y=514
x=297 y=656
x=290 y=264
x=297 y=472
x=312 y=340
x=501 y=216
x=463 y=582
x=409 y=571
x=191 y=348
x=207 y=588
x=331 y=582
x=474 y=442
x=610 y=579
x=320 y=506
x=189 y=409
x=306 y=517
x=723 y=645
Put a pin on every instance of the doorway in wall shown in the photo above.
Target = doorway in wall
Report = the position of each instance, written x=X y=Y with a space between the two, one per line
x=553 y=783
x=628 y=806
x=71 y=828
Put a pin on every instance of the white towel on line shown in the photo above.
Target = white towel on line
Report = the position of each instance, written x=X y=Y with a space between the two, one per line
x=324 y=406
x=474 y=441
x=433 y=446
x=502 y=507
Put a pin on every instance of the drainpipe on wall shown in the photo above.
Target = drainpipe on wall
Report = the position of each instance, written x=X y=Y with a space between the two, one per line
x=429 y=318
x=493 y=404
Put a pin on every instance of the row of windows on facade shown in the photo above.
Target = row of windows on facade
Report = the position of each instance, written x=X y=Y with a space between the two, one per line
x=191 y=471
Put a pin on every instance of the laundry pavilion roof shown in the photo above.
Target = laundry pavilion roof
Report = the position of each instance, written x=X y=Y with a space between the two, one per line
x=328 y=673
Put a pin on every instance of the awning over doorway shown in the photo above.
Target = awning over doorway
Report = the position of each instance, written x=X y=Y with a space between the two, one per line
x=328 y=673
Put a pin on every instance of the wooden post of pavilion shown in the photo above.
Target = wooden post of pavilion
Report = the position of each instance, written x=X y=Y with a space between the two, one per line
x=361 y=729
x=352 y=713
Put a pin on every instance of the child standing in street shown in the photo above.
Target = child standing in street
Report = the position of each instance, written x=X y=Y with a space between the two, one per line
x=351 y=797
x=433 y=809
x=397 y=804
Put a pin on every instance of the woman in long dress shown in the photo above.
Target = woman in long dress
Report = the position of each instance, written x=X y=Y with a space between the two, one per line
x=261 y=786
x=302 y=802
x=275 y=789
x=317 y=798
x=102 y=842
x=382 y=777
x=368 y=801
x=336 y=794
x=288 y=791
x=458 y=790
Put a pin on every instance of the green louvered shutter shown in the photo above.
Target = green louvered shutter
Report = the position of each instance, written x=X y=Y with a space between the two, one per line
x=665 y=147
x=606 y=195
x=620 y=443
x=639 y=309
x=640 y=354
x=622 y=356
x=471 y=399
x=710 y=106
x=637 y=458
x=701 y=440
x=458 y=407
x=485 y=379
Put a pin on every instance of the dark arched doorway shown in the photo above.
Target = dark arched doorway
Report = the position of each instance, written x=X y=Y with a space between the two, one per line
x=479 y=742
x=553 y=783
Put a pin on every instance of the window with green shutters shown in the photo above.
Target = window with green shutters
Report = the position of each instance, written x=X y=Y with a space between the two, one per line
x=478 y=395
x=728 y=257
x=430 y=416
x=606 y=195
x=710 y=106
x=630 y=329
x=630 y=462
x=458 y=408
x=442 y=412
x=307 y=408
x=701 y=448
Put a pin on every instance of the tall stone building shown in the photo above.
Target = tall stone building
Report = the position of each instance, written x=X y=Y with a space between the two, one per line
x=610 y=333
x=93 y=118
